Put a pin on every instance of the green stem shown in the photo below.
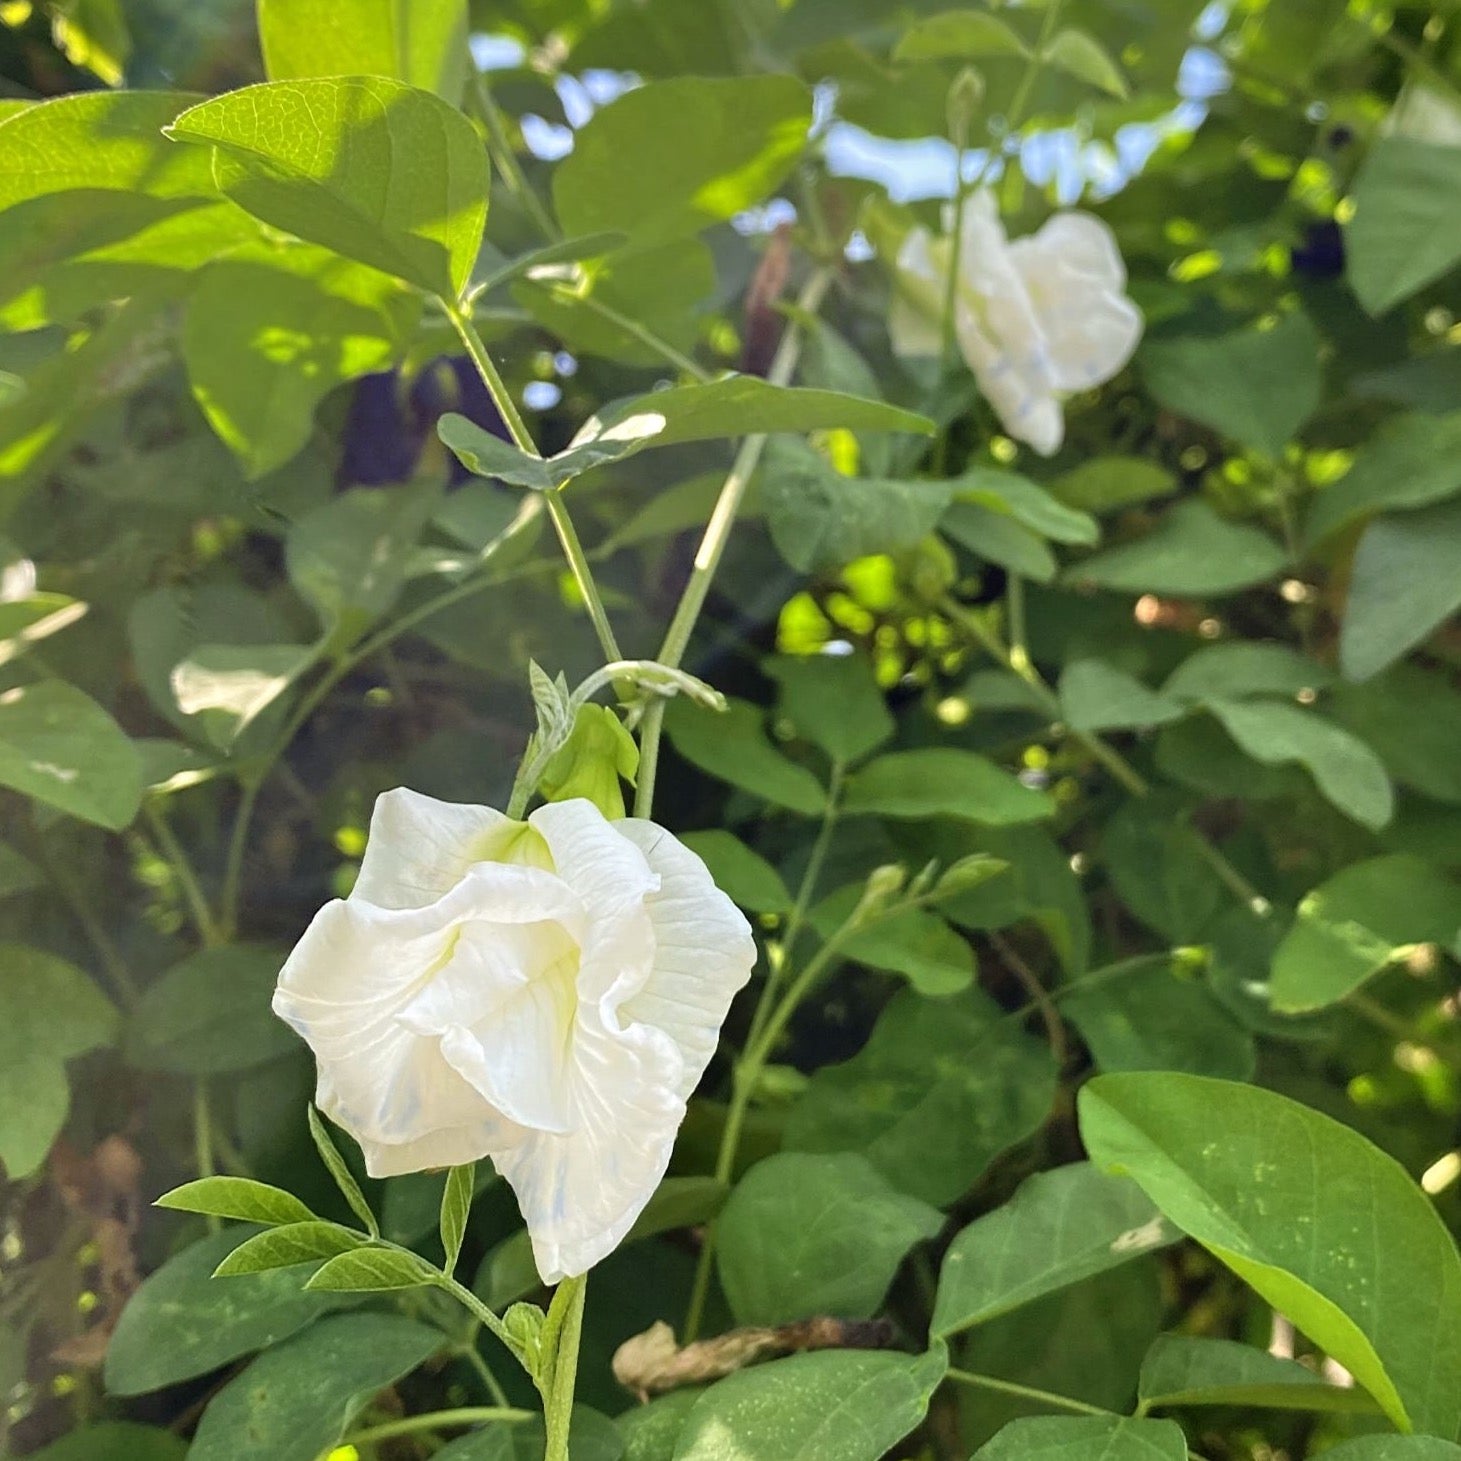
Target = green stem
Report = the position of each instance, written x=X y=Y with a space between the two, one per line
x=474 y=1306
x=203 y=1139
x=1039 y=997
x=583 y=575
x=713 y=545
x=182 y=868
x=558 y=1401
x=1114 y=762
x=106 y=950
x=436 y=1420
x=505 y=156
x=557 y=508
x=473 y=1357
x=1025 y=1392
x=642 y=333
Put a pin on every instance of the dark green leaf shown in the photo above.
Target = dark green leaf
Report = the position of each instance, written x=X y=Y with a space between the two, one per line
x=115 y=1440
x=1241 y=668
x=1255 y=386
x=945 y=783
x=1096 y=696
x=49 y=1012
x=912 y=942
x=964 y=34
x=183 y=1322
x=744 y=875
x=833 y=700
x=1082 y=56
x=941 y=1088
x=1182 y=1369
x=831 y=1406
x=1060 y=1227
x=293 y=1403
x=211 y=1014
x=807 y=1235
x=731 y=745
x=1086 y=1438
x=60 y=747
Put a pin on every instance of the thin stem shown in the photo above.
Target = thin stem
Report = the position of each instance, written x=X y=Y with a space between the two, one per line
x=182 y=868
x=557 y=508
x=478 y=1310
x=1108 y=756
x=517 y=428
x=643 y=334
x=106 y=950
x=1025 y=1392
x=713 y=545
x=203 y=1139
x=583 y=575
x=233 y=865
x=558 y=1407
x=1039 y=997
x=505 y=156
x=435 y=1420
x=473 y=1357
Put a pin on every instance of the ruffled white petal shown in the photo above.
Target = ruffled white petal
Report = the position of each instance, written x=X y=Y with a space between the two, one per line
x=419 y=848
x=581 y=1192
x=703 y=952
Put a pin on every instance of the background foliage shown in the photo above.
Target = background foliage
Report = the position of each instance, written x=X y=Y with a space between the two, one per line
x=1138 y=762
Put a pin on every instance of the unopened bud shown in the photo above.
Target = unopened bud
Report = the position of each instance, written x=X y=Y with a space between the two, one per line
x=966 y=97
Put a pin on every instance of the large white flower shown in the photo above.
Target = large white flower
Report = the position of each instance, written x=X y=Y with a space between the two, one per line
x=546 y=994
x=1036 y=318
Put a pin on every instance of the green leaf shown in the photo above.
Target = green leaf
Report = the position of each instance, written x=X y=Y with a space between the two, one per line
x=1257 y=387
x=959 y=34
x=1156 y=863
x=183 y=1322
x=116 y=1440
x=743 y=875
x=509 y=1272
x=284 y=1247
x=425 y=46
x=673 y=157
x=1151 y=1017
x=294 y=1402
x=834 y=701
x=27 y=621
x=349 y=558
x=18 y=874
x=1191 y=551
x=225 y=688
x=1096 y=696
x=50 y=1012
x=1395 y=1448
x=344 y=1177
x=830 y=1406
x=736 y=405
x=912 y=942
x=237 y=1197
x=272 y=330
x=1108 y=484
x=821 y=520
x=104 y=140
x=378 y=171
x=1345 y=770
x=1405 y=582
x=941 y=1088
x=1325 y=1226
x=1244 y=667
x=1082 y=56
x=944 y=783
x=60 y=747
x=1086 y=1438
x=649 y=1431
x=372 y=1270
x=456 y=1208
x=1060 y=1227
x=210 y=1014
x=1411 y=718
x=1350 y=927
x=1411 y=461
x=1406 y=228
x=1031 y=505
x=806 y=1235
x=731 y=745
x=1183 y=1369
x=998 y=538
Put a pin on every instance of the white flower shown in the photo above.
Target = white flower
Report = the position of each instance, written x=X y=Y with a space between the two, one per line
x=1036 y=319
x=546 y=994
